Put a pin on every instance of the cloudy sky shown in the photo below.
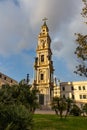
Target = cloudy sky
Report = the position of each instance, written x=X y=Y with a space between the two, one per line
x=20 y=23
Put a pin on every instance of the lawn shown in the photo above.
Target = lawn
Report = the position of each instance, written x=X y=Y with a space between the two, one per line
x=52 y=122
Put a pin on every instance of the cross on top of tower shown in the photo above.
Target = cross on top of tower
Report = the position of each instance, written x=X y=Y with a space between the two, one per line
x=45 y=19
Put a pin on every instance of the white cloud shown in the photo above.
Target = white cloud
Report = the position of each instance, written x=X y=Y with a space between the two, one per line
x=20 y=24
x=15 y=32
x=64 y=48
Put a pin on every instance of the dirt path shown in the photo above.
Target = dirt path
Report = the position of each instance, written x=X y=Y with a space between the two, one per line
x=44 y=112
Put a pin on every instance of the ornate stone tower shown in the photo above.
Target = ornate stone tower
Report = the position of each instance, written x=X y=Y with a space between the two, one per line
x=43 y=67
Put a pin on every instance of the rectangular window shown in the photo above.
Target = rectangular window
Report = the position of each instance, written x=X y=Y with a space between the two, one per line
x=72 y=88
x=83 y=87
x=63 y=88
x=79 y=87
x=80 y=96
x=72 y=96
x=42 y=77
x=42 y=58
x=5 y=78
x=11 y=81
x=84 y=96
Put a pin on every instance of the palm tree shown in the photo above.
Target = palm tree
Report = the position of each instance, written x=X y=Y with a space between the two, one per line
x=69 y=103
x=59 y=105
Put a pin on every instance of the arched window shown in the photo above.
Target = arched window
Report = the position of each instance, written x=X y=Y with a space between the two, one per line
x=42 y=76
x=42 y=58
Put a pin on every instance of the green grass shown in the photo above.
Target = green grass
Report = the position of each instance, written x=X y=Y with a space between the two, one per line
x=52 y=122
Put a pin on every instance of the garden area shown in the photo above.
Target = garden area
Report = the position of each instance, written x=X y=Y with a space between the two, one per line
x=53 y=122
x=17 y=111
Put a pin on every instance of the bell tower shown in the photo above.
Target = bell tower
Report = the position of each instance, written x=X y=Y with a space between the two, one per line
x=43 y=67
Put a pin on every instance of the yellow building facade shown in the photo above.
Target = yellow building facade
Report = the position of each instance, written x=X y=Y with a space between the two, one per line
x=43 y=66
x=4 y=79
x=56 y=91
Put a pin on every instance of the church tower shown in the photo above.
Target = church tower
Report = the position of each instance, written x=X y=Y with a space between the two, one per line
x=43 y=67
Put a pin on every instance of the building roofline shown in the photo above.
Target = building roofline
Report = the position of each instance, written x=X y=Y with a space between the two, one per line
x=8 y=77
x=73 y=82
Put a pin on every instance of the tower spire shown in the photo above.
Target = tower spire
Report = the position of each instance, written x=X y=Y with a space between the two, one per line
x=44 y=19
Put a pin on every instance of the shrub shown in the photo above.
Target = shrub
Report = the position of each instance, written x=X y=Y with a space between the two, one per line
x=75 y=111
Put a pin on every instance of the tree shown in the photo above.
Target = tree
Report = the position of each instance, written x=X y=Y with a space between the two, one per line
x=15 y=117
x=17 y=105
x=28 y=97
x=69 y=103
x=81 y=49
x=59 y=105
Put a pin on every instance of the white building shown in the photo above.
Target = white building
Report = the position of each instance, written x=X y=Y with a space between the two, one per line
x=74 y=90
